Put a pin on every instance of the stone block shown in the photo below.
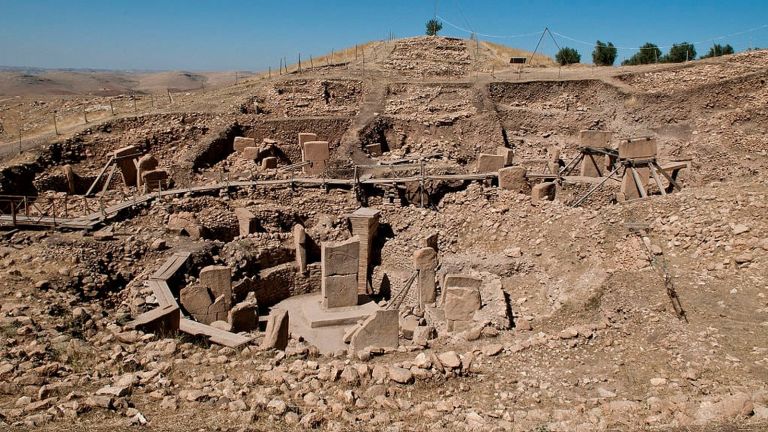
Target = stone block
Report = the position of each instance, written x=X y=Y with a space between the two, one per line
x=196 y=301
x=339 y=291
x=246 y=221
x=244 y=316
x=429 y=240
x=594 y=138
x=300 y=244
x=453 y=280
x=508 y=154
x=250 y=153
x=305 y=137
x=185 y=223
x=490 y=163
x=269 y=162
x=144 y=164
x=638 y=148
x=460 y=305
x=155 y=179
x=514 y=179
x=276 y=334
x=241 y=143
x=543 y=192
x=593 y=166
x=340 y=258
x=219 y=280
x=218 y=310
x=380 y=330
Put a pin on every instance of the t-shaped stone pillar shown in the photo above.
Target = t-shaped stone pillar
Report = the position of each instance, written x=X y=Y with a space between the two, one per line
x=365 y=222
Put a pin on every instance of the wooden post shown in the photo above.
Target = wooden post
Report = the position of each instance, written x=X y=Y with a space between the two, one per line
x=281 y=67
x=20 y=129
x=55 y=126
x=85 y=115
x=270 y=72
x=311 y=64
x=299 y=62
x=170 y=99
x=111 y=108
x=13 y=211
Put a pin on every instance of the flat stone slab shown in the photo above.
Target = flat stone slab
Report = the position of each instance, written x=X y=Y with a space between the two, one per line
x=329 y=339
x=317 y=316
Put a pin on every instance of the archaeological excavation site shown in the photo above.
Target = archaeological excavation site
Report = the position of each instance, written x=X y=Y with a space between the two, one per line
x=418 y=236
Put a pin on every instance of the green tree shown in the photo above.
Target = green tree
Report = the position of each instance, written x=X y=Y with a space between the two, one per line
x=434 y=26
x=648 y=53
x=604 y=54
x=718 y=50
x=567 y=56
x=679 y=53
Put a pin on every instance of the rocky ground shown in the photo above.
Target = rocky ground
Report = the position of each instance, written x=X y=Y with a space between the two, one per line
x=595 y=344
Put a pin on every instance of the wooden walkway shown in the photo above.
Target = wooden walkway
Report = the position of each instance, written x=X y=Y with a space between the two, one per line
x=95 y=219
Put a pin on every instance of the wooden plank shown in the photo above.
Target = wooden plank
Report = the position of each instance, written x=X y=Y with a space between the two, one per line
x=213 y=334
x=657 y=179
x=170 y=266
x=638 y=182
x=163 y=319
x=101 y=173
x=163 y=293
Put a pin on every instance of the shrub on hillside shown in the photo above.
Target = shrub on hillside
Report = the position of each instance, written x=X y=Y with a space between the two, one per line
x=567 y=56
x=433 y=26
x=718 y=50
x=648 y=53
x=604 y=54
x=679 y=53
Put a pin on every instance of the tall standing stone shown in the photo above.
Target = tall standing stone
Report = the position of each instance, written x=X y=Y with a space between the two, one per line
x=461 y=301
x=124 y=158
x=340 y=262
x=219 y=280
x=365 y=223
x=317 y=154
x=636 y=149
x=594 y=165
x=300 y=243
x=246 y=221
x=305 y=137
x=425 y=262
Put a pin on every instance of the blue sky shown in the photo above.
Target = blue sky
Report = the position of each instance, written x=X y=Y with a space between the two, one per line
x=251 y=35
